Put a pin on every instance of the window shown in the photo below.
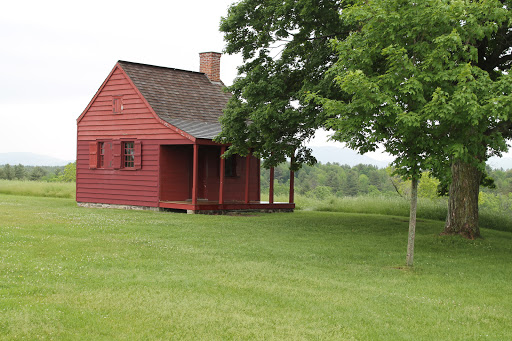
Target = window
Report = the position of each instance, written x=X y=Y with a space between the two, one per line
x=102 y=155
x=117 y=104
x=115 y=154
x=230 y=167
x=128 y=155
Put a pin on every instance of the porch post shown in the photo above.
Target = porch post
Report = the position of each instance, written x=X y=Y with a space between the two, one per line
x=292 y=182
x=247 y=166
x=222 y=171
x=271 y=187
x=195 y=174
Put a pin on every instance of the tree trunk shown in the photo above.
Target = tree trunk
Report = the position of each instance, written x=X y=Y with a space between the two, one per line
x=463 y=201
x=412 y=222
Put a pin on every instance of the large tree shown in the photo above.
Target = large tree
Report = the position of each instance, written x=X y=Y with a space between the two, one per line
x=286 y=50
x=441 y=66
x=449 y=63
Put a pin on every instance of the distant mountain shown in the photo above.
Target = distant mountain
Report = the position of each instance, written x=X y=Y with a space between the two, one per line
x=31 y=159
x=344 y=156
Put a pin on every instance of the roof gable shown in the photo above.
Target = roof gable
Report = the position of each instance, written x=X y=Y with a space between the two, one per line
x=184 y=99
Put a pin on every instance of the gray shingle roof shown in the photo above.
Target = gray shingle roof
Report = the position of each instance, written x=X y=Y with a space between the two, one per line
x=185 y=99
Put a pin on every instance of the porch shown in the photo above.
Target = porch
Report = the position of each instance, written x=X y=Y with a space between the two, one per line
x=196 y=178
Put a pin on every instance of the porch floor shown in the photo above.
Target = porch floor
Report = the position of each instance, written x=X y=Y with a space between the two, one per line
x=210 y=205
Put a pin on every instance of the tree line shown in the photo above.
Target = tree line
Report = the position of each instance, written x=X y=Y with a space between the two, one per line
x=333 y=179
x=39 y=173
x=319 y=180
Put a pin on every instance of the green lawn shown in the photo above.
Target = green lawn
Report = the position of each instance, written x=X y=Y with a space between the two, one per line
x=93 y=274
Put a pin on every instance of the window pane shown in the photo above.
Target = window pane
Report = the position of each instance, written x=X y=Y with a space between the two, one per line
x=129 y=155
x=230 y=167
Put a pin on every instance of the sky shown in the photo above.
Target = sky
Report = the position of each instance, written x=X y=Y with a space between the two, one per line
x=56 y=54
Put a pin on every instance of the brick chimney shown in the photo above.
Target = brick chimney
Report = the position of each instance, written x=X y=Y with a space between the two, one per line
x=209 y=63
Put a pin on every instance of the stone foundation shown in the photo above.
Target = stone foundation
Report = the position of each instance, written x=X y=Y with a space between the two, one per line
x=119 y=207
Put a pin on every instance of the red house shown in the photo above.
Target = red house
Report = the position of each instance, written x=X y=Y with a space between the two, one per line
x=145 y=141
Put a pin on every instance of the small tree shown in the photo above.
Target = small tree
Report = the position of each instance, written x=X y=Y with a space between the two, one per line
x=8 y=172
x=351 y=186
x=37 y=173
x=69 y=173
x=379 y=77
x=364 y=184
x=19 y=172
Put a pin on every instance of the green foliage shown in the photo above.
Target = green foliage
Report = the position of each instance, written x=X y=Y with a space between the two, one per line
x=8 y=172
x=423 y=79
x=37 y=173
x=19 y=172
x=69 y=173
x=495 y=203
x=344 y=180
x=286 y=51
x=429 y=81
x=427 y=187
x=322 y=192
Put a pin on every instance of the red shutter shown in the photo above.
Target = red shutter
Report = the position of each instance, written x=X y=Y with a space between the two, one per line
x=93 y=155
x=117 y=104
x=138 y=154
x=117 y=154
x=108 y=156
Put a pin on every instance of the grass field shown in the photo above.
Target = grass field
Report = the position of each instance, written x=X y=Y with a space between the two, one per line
x=93 y=274
x=38 y=188
x=497 y=219
x=433 y=209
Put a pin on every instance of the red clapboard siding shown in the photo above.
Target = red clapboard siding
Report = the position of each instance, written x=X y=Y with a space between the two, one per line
x=234 y=187
x=128 y=134
x=149 y=195
x=126 y=129
x=117 y=200
x=100 y=122
x=135 y=122
x=104 y=183
x=111 y=186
